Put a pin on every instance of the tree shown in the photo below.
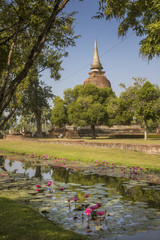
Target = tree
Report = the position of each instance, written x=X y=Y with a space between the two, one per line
x=147 y=105
x=28 y=29
x=59 y=112
x=83 y=106
x=141 y=102
x=125 y=109
x=142 y=16
x=35 y=100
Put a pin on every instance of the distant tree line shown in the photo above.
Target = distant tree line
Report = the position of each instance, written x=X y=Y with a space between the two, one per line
x=88 y=105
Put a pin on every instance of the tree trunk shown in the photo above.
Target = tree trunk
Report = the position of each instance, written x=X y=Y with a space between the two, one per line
x=93 y=131
x=39 y=125
x=38 y=173
x=145 y=130
x=2 y=163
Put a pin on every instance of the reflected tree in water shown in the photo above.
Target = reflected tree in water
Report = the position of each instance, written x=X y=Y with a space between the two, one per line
x=2 y=163
x=135 y=194
x=38 y=172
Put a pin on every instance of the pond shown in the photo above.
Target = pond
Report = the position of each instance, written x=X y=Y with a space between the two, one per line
x=117 y=208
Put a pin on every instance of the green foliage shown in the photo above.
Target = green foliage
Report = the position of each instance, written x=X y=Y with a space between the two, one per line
x=35 y=101
x=71 y=95
x=142 y=16
x=3 y=59
x=141 y=102
x=152 y=126
x=147 y=102
x=82 y=106
x=59 y=113
x=125 y=111
x=112 y=110
x=32 y=32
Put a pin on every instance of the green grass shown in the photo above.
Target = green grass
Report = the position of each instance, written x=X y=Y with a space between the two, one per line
x=82 y=153
x=19 y=222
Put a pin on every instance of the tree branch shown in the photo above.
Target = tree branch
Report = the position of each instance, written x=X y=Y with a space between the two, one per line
x=4 y=81
x=33 y=54
x=7 y=118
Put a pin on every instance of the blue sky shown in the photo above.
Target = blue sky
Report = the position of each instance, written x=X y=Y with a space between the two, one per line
x=119 y=57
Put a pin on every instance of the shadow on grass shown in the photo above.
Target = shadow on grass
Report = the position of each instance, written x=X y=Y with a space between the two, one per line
x=19 y=222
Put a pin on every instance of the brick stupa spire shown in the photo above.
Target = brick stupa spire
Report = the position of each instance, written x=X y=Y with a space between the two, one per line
x=96 y=65
x=96 y=76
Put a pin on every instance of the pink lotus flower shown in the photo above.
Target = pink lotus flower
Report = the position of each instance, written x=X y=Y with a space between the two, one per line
x=69 y=202
x=88 y=211
x=75 y=199
x=37 y=190
x=100 y=213
x=86 y=195
x=38 y=186
x=61 y=188
x=49 y=183
x=98 y=205
x=92 y=207
x=2 y=175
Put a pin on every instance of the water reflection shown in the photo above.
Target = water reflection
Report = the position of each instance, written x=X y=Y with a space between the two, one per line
x=136 y=193
x=2 y=160
x=128 y=206
x=116 y=186
x=25 y=167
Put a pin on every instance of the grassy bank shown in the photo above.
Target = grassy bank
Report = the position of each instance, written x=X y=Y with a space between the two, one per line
x=19 y=222
x=82 y=153
x=127 y=140
x=113 y=140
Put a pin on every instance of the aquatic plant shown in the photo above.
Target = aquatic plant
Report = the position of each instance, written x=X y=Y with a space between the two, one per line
x=75 y=199
x=87 y=212
x=100 y=213
x=49 y=183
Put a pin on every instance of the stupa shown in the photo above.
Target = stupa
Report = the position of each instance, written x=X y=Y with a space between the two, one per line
x=96 y=76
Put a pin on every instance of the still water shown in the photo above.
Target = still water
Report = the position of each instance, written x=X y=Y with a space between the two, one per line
x=121 y=209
